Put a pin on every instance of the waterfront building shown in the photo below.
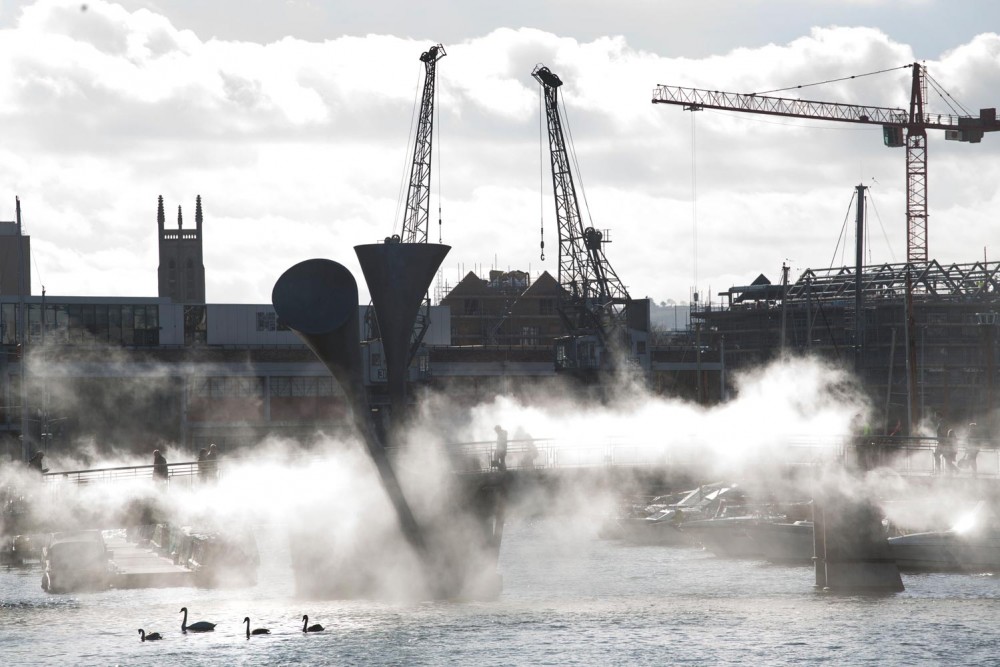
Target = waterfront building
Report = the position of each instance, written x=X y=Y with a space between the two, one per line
x=929 y=358
x=138 y=373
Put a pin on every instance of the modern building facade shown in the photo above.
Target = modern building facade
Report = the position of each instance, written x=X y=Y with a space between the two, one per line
x=131 y=374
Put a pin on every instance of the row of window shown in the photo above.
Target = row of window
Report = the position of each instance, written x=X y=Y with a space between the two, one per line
x=214 y=388
x=83 y=324
x=546 y=307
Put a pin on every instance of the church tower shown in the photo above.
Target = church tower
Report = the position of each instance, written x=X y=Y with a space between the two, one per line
x=181 y=273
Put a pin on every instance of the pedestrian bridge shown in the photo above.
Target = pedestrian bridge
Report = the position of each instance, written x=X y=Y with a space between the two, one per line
x=907 y=456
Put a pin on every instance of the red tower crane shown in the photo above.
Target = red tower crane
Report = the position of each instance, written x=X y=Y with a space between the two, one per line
x=899 y=128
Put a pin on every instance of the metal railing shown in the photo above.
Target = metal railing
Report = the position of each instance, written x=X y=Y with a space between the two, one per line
x=907 y=456
x=185 y=472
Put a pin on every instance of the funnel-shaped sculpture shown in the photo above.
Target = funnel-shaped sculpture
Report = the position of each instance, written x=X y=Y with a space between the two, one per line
x=318 y=300
x=398 y=276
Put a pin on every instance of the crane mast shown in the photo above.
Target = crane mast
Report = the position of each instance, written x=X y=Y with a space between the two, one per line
x=894 y=121
x=418 y=192
x=594 y=302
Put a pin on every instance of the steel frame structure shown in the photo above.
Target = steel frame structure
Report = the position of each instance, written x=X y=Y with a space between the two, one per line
x=418 y=193
x=915 y=122
x=594 y=297
x=966 y=282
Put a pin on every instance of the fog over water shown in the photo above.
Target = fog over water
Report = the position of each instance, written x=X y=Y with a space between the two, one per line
x=568 y=597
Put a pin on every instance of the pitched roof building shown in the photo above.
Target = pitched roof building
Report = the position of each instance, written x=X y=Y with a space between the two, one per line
x=507 y=309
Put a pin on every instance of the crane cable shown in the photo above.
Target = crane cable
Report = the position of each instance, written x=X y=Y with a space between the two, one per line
x=694 y=202
x=541 y=169
x=571 y=151
x=843 y=78
x=945 y=96
x=401 y=195
x=842 y=235
x=437 y=125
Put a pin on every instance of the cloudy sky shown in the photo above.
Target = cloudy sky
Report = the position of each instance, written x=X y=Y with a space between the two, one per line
x=291 y=120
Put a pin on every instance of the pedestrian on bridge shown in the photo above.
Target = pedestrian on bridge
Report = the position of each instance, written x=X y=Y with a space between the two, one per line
x=159 y=466
x=213 y=461
x=203 y=464
x=500 y=457
x=949 y=452
x=35 y=463
x=972 y=446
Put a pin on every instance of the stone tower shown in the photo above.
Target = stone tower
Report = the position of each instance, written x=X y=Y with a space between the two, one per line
x=181 y=272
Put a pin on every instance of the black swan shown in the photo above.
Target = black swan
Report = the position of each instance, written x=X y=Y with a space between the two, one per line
x=200 y=626
x=316 y=627
x=152 y=636
x=255 y=631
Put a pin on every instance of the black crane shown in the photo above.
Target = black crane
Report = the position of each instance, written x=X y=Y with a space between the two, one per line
x=595 y=306
x=418 y=193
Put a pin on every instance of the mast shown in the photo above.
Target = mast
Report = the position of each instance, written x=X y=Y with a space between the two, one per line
x=859 y=324
x=912 y=412
x=21 y=341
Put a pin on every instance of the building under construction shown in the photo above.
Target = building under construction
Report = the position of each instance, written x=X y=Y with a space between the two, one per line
x=921 y=337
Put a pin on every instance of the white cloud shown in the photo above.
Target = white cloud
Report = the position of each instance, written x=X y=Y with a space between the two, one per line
x=298 y=148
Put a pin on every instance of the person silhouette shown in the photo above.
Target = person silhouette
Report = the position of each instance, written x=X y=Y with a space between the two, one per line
x=501 y=450
x=159 y=466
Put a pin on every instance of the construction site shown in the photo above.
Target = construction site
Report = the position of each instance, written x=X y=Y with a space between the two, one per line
x=919 y=336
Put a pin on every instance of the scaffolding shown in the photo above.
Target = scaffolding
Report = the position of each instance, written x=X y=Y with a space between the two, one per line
x=942 y=366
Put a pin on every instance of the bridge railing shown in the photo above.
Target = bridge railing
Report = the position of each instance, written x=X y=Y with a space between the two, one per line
x=529 y=454
x=177 y=473
x=913 y=456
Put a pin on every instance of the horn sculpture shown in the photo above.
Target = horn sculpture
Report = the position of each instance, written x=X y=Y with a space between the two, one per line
x=318 y=300
x=398 y=275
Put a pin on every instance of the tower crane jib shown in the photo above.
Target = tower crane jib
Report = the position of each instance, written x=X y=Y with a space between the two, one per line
x=894 y=121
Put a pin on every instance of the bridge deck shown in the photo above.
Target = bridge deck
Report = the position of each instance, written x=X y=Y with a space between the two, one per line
x=907 y=456
x=141 y=567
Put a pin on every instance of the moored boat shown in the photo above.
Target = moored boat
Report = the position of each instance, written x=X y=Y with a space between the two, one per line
x=663 y=518
x=75 y=561
x=726 y=537
x=973 y=545
x=787 y=543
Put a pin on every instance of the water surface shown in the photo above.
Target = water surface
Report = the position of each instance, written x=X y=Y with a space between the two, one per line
x=569 y=599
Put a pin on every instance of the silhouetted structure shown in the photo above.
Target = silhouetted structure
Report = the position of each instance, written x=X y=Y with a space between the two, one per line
x=11 y=257
x=182 y=270
x=506 y=309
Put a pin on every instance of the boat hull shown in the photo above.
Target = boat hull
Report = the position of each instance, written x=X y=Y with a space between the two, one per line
x=946 y=551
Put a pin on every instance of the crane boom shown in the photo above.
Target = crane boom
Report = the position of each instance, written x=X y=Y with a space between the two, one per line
x=894 y=121
x=594 y=306
x=584 y=271
x=419 y=190
x=778 y=106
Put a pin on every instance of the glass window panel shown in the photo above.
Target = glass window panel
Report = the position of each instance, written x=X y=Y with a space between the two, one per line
x=101 y=329
x=128 y=332
x=8 y=323
x=140 y=317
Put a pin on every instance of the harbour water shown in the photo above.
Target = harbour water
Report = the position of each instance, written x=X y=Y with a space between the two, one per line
x=569 y=599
